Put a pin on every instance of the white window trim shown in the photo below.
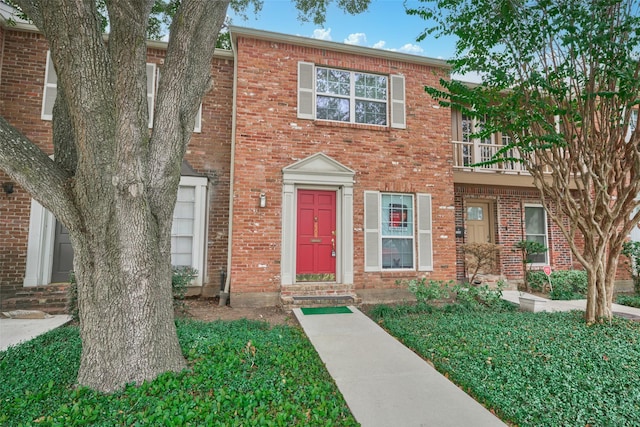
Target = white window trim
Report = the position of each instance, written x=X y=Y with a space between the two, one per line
x=47 y=85
x=414 y=240
x=198 y=248
x=422 y=232
x=307 y=97
x=351 y=97
x=546 y=233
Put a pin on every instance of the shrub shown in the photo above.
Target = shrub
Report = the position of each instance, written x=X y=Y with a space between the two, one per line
x=476 y=298
x=566 y=284
x=465 y=297
x=629 y=300
x=429 y=291
x=480 y=256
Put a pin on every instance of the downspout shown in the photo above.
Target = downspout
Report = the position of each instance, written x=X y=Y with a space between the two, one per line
x=224 y=294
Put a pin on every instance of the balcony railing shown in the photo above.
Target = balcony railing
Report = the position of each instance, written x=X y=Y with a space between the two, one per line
x=470 y=153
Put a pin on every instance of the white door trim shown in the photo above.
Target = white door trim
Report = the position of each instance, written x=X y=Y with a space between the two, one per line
x=39 y=246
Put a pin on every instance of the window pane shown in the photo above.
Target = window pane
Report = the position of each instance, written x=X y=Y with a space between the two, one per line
x=475 y=213
x=397 y=215
x=328 y=108
x=371 y=86
x=466 y=129
x=397 y=253
x=372 y=113
x=534 y=220
x=186 y=194
x=333 y=81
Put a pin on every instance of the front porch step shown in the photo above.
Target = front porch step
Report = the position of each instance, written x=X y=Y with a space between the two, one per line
x=306 y=301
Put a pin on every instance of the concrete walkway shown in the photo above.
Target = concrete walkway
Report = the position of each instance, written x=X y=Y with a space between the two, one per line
x=15 y=331
x=384 y=383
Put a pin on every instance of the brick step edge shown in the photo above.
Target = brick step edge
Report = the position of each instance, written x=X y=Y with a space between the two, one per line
x=307 y=301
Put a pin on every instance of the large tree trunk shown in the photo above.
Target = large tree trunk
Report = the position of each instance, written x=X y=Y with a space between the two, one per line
x=126 y=311
x=113 y=182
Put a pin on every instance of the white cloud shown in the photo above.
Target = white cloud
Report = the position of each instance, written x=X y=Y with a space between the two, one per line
x=357 y=39
x=322 y=34
x=411 y=48
x=379 y=45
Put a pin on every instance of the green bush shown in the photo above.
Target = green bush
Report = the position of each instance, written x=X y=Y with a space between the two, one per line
x=465 y=296
x=534 y=369
x=240 y=373
x=180 y=281
x=429 y=291
x=567 y=284
x=629 y=300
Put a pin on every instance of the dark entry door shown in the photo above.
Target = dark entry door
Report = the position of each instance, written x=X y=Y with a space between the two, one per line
x=316 y=236
x=62 y=255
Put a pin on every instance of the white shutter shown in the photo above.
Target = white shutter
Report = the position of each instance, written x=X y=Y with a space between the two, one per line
x=151 y=91
x=372 y=260
x=306 y=88
x=50 y=90
x=425 y=243
x=198 y=126
x=398 y=115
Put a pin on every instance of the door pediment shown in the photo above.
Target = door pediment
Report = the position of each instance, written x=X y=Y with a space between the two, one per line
x=318 y=169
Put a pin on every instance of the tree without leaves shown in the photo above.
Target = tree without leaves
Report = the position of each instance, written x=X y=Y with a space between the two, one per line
x=561 y=78
x=112 y=182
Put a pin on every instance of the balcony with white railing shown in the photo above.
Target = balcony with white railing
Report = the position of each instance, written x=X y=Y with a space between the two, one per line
x=469 y=155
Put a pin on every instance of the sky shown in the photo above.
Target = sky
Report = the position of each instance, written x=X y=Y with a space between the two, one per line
x=385 y=25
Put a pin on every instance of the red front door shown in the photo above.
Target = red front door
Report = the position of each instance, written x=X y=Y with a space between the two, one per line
x=316 y=236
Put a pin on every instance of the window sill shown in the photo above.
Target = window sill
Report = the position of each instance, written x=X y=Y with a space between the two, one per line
x=326 y=123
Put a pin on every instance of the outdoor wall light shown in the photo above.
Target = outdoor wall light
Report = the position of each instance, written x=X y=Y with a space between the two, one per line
x=263 y=200
x=7 y=187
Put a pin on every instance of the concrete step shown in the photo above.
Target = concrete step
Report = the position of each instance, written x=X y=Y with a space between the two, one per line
x=306 y=301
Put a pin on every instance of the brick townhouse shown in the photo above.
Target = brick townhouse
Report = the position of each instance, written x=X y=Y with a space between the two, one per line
x=316 y=170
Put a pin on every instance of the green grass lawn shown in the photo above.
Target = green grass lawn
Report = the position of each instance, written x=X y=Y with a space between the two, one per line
x=241 y=373
x=542 y=369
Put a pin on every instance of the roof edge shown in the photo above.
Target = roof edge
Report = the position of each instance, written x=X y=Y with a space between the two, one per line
x=340 y=47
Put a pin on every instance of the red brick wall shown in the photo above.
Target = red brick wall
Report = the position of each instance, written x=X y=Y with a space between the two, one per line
x=23 y=66
x=22 y=73
x=508 y=203
x=269 y=137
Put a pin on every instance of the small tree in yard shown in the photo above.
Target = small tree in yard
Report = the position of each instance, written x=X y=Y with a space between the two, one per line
x=528 y=249
x=561 y=78
x=112 y=182
x=480 y=257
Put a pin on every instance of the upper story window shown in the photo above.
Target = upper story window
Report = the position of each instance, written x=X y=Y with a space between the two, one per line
x=350 y=96
x=51 y=91
x=347 y=96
